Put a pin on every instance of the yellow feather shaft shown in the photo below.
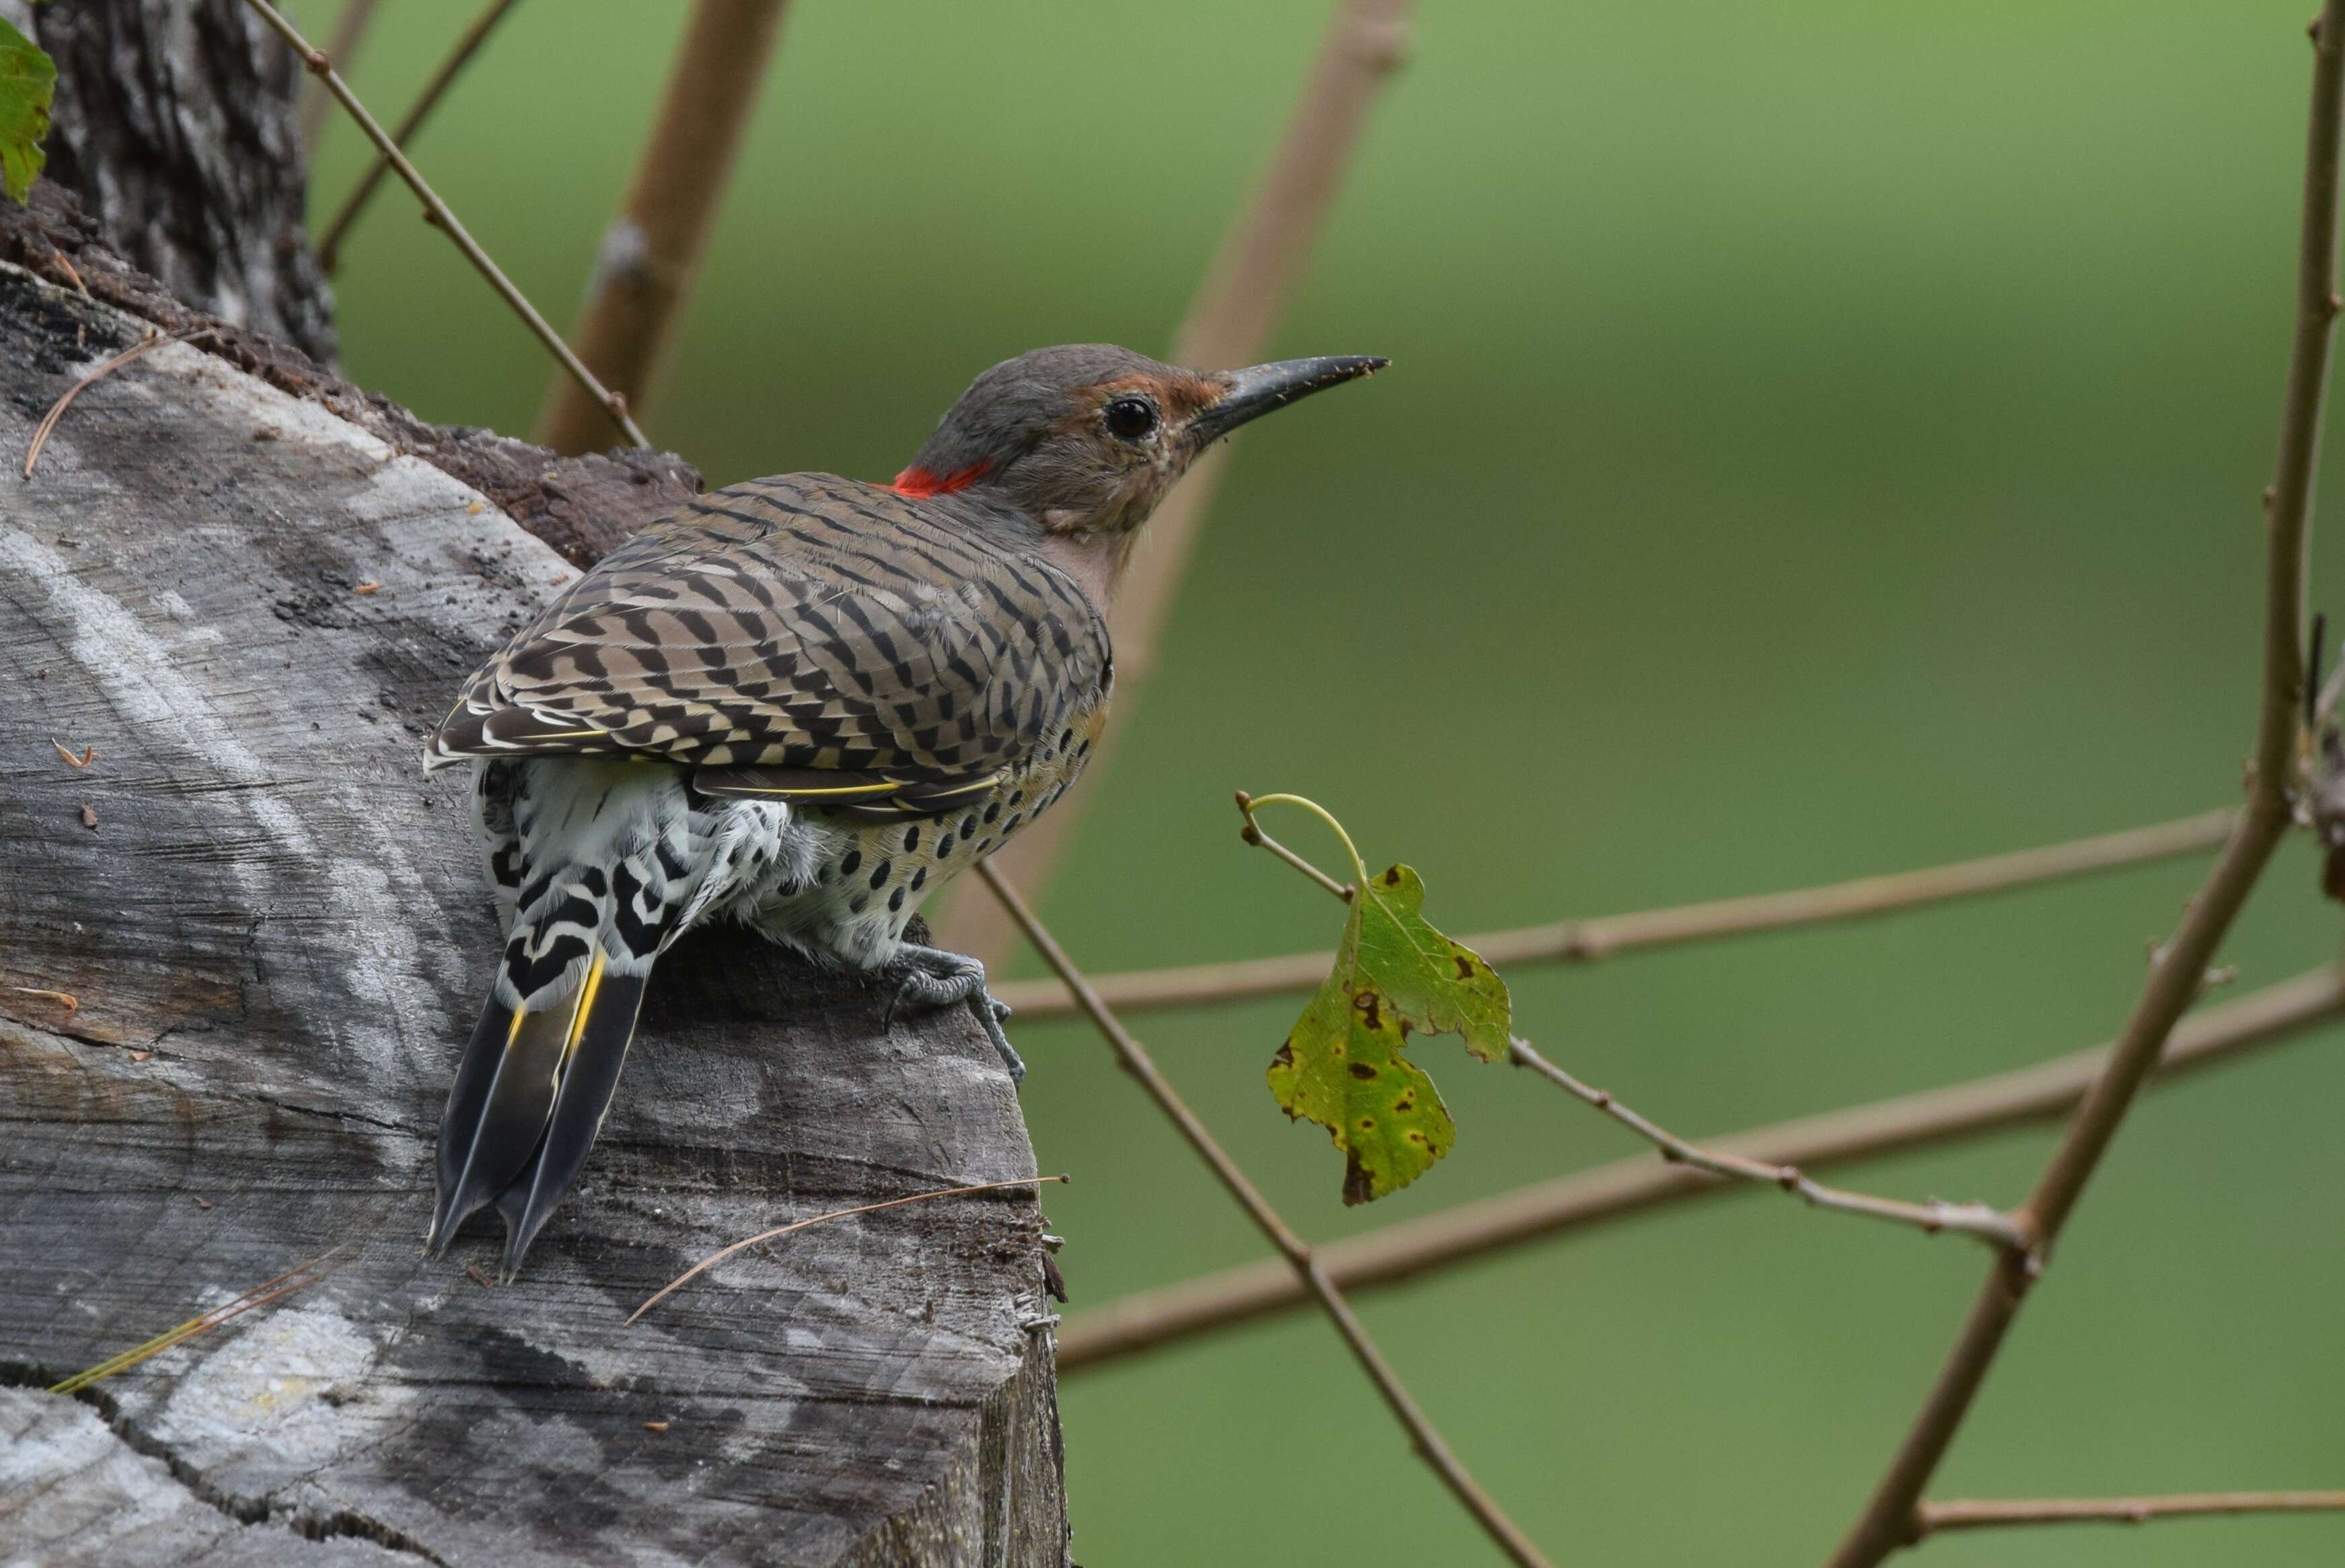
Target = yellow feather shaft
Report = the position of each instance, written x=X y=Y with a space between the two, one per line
x=889 y=787
x=974 y=788
x=585 y=1007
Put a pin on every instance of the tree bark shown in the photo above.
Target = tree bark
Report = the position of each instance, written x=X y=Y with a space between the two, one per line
x=175 y=127
x=250 y=587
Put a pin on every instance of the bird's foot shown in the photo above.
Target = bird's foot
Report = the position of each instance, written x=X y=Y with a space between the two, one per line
x=932 y=977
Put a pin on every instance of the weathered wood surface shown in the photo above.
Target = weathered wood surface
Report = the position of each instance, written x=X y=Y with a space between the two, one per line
x=581 y=506
x=278 y=936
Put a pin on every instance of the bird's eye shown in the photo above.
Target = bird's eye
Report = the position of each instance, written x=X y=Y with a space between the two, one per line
x=1131 y=418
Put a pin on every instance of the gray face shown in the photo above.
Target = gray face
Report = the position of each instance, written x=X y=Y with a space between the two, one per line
x=1087 y=438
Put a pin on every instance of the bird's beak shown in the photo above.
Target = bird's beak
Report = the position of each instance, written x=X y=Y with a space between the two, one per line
x=1258 y=389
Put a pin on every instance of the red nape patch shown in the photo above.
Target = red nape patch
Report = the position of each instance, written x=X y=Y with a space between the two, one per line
x=921 y=484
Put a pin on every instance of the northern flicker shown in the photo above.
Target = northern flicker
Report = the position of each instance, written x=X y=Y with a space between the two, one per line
x=801 y=702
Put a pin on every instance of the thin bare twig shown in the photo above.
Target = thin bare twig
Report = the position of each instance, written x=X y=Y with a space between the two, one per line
x=57 y=259
x=349 y=31
x=1252 y=834
x=1991 y=1512
x=1297 y=1252
x=439 y=215
x=651 y=256
x=1977 y=1220
x=722 y=1253
x=299 y=1277
x=1982 y=1220
x=1888 y=1517
x=1932 y=1118
x=468 y=44
x=97 y=373
x=1586 y=941
x=1255 y=270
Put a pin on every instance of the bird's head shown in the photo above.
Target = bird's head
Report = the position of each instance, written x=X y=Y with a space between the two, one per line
x=1086 y=439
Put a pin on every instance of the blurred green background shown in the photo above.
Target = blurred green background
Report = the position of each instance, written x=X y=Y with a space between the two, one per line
x=1824 y=438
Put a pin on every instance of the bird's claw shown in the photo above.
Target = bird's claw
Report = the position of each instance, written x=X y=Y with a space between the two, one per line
x=932 y=977
x=991 y=1016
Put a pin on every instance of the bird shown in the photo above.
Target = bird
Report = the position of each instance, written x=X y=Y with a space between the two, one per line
x=800 y=702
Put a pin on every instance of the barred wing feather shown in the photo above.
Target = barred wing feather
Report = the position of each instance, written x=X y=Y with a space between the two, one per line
x=799 y=638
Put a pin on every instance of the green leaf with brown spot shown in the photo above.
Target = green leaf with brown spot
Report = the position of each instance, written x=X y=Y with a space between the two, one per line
x=29 y=80
x=1341 y=1065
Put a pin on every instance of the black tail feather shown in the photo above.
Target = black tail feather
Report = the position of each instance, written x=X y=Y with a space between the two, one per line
x=598 y=1051
x=496 y=1112
x=468 y=1098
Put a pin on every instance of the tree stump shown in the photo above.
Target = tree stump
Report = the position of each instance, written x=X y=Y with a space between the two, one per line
x=278 y=936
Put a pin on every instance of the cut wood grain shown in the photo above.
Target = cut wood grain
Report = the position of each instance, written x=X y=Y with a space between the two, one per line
x=278 y=937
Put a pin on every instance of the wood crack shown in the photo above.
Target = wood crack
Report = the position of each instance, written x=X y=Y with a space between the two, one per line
x=330 y=1114
x=313 y=1523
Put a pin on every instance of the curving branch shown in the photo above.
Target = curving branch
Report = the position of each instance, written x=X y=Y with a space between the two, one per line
x=1261 y=261
x=468 y=44
x=1308 y=1272
x=440 y=216
x=651 y=255
x=1392 y=1254
x=1983 y=1220
x=1586 y=941
x=1935 y=1518
x=2178 y=969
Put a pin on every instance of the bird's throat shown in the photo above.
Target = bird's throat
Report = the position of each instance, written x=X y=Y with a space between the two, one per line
x=1094 y=560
